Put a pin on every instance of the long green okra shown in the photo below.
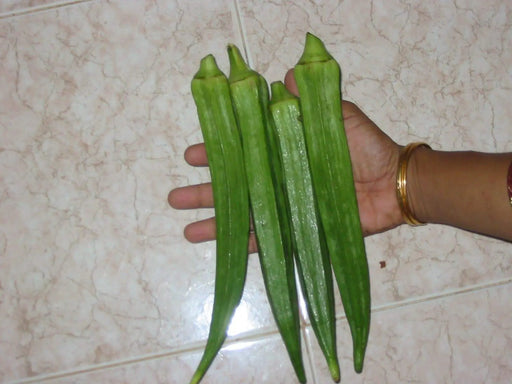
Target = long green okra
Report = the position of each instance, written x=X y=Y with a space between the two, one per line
x=250 y=97
x=210 y=89
x=311 y=251
x=318 y=78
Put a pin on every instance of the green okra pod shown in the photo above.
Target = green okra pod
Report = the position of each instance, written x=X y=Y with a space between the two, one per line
x=211 y=93
x=250 y=97
x=311 y=251
x=318 y=78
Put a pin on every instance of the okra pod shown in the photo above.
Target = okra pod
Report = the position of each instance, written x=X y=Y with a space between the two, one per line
x=211 y=93
x=318 y=78
x=275 y=253
x=311 y=251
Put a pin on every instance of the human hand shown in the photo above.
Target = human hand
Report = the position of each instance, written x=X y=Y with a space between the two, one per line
x=374 y=161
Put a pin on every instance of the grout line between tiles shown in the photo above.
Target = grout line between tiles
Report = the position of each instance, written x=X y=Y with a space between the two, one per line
x=241 y=30
x=254 y=335
x=309 y=350
x=40 y=8
x=189 y=348
x=101 y=366
x=438 y=296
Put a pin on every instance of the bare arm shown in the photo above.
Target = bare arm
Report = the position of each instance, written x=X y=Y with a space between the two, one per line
x=467 y=190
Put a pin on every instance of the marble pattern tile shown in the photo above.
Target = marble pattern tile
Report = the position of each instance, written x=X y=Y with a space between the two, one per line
x=418 y=70
x=438 y=74
x=97 y=283
x=252 y=361
x=12 y=7
x=463 y=338
x=95 y=114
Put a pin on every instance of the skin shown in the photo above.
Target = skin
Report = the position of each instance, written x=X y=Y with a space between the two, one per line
x=466 y=190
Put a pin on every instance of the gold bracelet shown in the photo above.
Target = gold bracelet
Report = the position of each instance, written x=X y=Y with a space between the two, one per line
x=509 y=183
x=401 y=183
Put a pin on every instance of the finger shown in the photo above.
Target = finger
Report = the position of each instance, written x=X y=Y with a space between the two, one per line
x=192 y=197
x=289 y=81
x=200 y=231
x=350 y=110
x=204 y=230
x=253 y=246
x=196 y=155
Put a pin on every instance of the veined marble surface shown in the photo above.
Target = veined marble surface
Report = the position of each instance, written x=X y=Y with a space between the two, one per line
x=97 y=283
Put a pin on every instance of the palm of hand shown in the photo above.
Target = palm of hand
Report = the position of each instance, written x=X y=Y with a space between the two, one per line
x=374 y=161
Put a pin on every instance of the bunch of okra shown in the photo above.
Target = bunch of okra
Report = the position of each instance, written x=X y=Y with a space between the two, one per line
x=284 y=162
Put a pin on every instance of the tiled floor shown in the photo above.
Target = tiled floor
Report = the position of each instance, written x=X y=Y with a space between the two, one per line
x=97 y=283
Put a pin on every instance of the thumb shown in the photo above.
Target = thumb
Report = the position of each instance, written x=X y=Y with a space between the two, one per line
x=289 y=81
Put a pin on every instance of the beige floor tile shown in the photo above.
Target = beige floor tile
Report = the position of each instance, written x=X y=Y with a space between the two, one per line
x=15 y=6
x=255 y=361
x=95 y=116
x=464 y=338
x=95 y=113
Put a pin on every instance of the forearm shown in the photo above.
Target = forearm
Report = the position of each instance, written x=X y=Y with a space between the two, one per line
x=467 y=190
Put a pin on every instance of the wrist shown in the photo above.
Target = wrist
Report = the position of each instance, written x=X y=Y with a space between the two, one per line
x=409 y=183
x=465 y=190
x=421 y=166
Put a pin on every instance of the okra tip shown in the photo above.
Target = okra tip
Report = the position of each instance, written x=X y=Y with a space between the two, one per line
x=238 y=67
x=314 y=50
x=208 y=68
x=196 y=378
x=358 y=360
x=334 y=369
x=359 y=351
x=279 y=92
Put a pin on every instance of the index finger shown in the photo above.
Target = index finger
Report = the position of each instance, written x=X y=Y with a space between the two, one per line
x=191 y=197
x=196 y=155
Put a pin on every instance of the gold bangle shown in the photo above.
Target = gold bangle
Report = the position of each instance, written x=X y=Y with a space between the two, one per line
x=509 y=183
x=401 y=183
